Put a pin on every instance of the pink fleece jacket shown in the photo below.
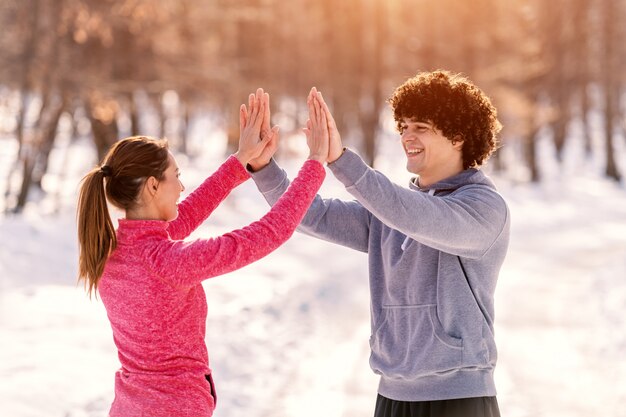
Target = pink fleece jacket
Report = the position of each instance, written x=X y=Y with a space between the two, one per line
x=151 y=289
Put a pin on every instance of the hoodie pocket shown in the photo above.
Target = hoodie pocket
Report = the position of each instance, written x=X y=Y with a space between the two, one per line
x=410 y=342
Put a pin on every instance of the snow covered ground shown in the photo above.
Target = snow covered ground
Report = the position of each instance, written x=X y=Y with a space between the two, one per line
x=287 y=336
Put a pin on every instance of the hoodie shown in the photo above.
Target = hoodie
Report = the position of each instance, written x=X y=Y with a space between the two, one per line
x=434 y=256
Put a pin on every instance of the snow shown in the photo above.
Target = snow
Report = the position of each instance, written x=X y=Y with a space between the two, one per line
x=288 y=335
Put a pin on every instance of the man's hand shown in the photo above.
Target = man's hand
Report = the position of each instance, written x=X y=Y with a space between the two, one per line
x=335 y=149
x=317 y=136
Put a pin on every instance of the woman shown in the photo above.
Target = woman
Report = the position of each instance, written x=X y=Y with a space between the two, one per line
x=149 y=279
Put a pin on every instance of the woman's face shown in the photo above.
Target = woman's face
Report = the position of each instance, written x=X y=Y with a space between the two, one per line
x=168 y=191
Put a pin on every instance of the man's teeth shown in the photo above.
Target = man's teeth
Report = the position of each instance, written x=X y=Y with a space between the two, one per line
x=414 y=151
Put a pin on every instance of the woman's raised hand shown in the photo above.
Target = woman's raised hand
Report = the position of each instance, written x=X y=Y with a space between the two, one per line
x=251 y=142
x=317 y=135
x=271 y=134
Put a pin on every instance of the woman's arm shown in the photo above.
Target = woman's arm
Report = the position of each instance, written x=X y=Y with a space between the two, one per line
x=195 y=209
x=187 y=263
x=199 y=205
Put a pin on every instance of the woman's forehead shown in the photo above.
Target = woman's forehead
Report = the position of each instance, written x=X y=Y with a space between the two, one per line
x=172 y=161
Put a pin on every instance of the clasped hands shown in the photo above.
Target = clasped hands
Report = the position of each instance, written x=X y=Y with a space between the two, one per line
x=258 y=141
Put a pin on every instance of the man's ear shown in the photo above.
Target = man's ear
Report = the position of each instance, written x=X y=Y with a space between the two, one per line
x=457 y=142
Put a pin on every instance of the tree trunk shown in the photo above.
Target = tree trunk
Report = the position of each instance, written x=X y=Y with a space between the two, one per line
x=611 y=167
x=105 y=131
x=496 y=161
x=135 y=129
x=48 y=139
x=530 y=149
x=585 y=111
x=158 y=104
x=183 y=131
x=610 y=84
x=559 y=133
x=611 y=170
x=38 y=153
x=559 y=77
x=369 y=125
x=28 y=164
x=27 y=151
x=30 y=52
x=582 y=21
x=19 y=134
x=372 y=94
x=26 y=83
x=45 y=122
x=232 y=123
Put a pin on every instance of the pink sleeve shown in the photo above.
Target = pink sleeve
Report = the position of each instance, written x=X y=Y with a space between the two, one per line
x=187 y=263
x=198 y=205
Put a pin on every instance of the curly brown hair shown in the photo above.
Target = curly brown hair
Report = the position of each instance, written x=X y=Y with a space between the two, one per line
x=455 y=106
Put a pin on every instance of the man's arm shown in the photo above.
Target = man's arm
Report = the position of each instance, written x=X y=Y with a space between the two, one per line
x=465 y=223
x=343 y=222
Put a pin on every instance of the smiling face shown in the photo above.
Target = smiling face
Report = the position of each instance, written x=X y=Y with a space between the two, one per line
x=429 y=154
x=168 y=192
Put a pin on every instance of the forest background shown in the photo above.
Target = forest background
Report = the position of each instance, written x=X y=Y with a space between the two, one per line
x=285 y=336
x=111 y=69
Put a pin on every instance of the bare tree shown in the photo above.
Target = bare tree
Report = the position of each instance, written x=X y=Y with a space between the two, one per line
x=117 y=59
x=610 y=83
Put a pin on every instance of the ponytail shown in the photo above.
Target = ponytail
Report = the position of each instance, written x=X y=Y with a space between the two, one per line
x=96 y=235
x=127 y=164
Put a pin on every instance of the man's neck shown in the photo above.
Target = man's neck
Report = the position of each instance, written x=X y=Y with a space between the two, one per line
x=424 y=181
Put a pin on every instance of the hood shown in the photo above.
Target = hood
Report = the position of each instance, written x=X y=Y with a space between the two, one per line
x=448 y=185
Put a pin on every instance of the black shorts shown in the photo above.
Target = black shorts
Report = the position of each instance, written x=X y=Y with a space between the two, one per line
x=463 y=407
x=212 y=384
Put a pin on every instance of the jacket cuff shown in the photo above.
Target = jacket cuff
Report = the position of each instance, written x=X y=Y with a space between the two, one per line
x=236 y=168
x=349 y=168
x=269 y=177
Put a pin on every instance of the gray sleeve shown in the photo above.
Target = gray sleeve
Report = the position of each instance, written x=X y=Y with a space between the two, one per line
x=343 y=222
x=464 y=223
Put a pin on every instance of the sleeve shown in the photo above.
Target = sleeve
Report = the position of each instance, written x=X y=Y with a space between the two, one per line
x=346 y=223
x=195 y=209
x=187 y=263
x=465 y=223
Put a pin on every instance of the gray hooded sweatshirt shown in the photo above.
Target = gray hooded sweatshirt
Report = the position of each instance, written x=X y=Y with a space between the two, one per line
x=434 y=256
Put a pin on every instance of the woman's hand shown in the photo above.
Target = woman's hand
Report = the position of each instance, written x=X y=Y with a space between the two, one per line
x=251 y=142
x=317 y=135
x=272 y=140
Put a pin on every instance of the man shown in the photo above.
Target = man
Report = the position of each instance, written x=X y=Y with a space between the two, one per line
x=434 y=249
